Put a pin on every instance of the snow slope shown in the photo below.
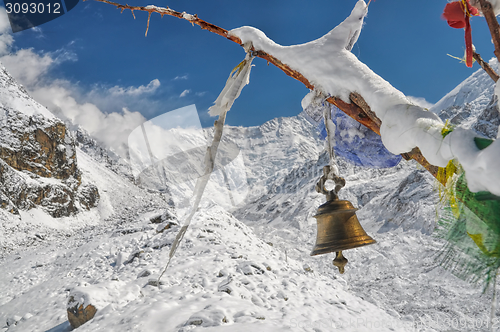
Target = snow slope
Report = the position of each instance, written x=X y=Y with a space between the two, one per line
x=223 y=279
x=14 y=96
x=247 y=270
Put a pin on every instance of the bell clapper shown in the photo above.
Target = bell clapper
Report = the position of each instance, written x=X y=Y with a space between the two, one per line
x=340 y=261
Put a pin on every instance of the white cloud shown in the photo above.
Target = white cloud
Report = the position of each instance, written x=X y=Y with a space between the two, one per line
x=63 y=55
x=6 y=38
x=419 y=101
x=136 y=91
x=112 y=129
x=184 y=93
x=107 y=113
x=67 y=100
x=184 y=77
x=27 y=66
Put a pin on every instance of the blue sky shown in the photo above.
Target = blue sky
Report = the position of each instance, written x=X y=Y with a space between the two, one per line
x=103 y=58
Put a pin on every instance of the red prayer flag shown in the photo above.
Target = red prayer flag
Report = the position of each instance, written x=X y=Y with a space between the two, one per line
x=457 y=14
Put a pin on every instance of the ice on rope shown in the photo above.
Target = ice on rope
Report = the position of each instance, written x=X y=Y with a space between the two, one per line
x=359 y=144
x=238 y=78
x=350 y=140
x=335 y=71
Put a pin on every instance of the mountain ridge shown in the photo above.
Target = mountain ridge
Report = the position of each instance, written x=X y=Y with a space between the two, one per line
x=472 y=104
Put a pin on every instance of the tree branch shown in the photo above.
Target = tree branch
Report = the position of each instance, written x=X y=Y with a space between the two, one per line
x=358 y=109
x=418 y=157
x=357 y=99
x=491 y=19
x=193 y=19
x=494 y=76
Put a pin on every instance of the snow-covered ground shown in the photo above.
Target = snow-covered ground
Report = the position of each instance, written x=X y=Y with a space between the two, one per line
x=245 y=270
x=248 y=267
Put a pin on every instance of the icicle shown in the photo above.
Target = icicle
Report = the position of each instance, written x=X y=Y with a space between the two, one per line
x=223 y=104
x=333 y=181
x=147 y=27
x=330 y=141
x=317 y=108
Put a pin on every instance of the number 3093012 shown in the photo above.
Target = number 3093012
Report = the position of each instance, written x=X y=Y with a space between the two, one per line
x=33 y=8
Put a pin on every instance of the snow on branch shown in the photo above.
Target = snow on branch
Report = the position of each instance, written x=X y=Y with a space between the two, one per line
x=337 y=72
x=326 y=64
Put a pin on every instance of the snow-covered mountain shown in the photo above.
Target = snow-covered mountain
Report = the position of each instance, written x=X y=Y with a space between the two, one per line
x=472 y=104
x=241 y=268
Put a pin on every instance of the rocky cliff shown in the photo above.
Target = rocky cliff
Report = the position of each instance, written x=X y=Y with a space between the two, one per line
x=38 y=166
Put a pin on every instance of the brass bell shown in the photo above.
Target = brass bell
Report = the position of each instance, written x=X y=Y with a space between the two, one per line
x=338 y=226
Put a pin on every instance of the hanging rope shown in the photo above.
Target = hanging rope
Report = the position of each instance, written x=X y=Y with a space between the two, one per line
x=331 y=180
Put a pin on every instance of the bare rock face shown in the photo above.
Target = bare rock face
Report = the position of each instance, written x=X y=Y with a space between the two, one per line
x=37 y=144
x=78 y=314
x=38 y=166
x=6 y=204
x=88 y=196
x=33 y=150
x=24 y=191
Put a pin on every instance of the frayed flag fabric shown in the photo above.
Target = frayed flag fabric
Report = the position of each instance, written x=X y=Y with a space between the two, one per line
x=239 y=77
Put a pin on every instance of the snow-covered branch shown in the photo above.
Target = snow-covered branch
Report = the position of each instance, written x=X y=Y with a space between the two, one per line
x=327 y=65
x=335 y=71
x=358 y=109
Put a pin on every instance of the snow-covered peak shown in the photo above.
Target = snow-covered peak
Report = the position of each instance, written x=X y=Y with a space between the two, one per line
x=14 y=96
x=472 y=104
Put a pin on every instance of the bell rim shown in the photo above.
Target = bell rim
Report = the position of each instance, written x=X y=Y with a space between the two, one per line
x=326 y=248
